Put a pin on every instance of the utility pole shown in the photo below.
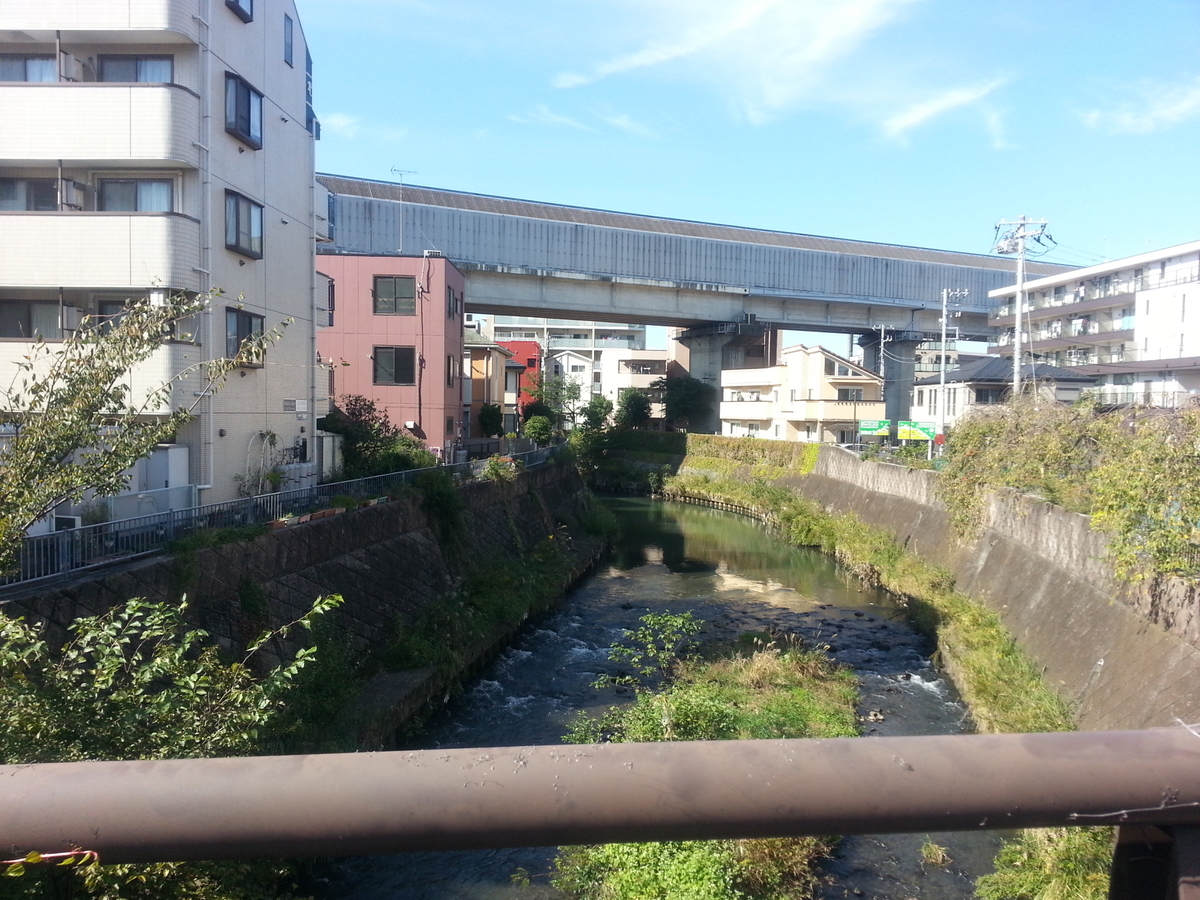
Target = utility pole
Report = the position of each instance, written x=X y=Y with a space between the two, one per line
x=947 y=295
x=1014 y=242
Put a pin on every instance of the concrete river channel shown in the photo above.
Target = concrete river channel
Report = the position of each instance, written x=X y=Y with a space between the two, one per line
x=733 y=575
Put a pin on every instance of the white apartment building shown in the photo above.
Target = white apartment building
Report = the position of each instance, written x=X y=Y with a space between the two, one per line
x=812 y=395
x=1133 y=324
x=623 y=370
x=161 y=146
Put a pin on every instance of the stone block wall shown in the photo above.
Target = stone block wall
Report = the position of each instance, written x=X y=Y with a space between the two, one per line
x=386 y=561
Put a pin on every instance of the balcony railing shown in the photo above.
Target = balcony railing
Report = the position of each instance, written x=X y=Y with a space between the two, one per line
x=1129 y=397
x=116 y=17
x=59 y=553
x=97 y=120
x=100 y=250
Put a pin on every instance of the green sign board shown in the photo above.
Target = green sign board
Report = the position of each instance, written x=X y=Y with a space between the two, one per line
x=874 y=426
x=916 y=431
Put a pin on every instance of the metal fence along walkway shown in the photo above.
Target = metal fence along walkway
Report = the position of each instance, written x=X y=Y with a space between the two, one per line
x=63 y=552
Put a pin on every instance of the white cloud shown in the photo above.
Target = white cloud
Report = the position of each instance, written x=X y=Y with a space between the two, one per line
x=341 y=124
x=626 y=123
x=1160 y=106
x=541 y=115
x=769 y=54
x=920 y=113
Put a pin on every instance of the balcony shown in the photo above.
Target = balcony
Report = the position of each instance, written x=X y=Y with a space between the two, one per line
x=754 y=410
x=99 y=121
x=765 y=380
x=171 y=360
x=100 y=250
x=124 y=19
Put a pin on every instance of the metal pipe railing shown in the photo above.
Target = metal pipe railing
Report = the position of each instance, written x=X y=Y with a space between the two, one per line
x=361 y=803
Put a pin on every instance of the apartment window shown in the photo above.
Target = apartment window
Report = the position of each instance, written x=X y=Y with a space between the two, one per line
x=830 y=366
x=28 y=194
x=240 y=326
x=920 y=398
x=577 y=368
x=395 y=295
x=332 y=302
x=243 y=9
x=153 y=69
x=449 y=371
x=28 y=68
x=243 y=225
x=287 y=40
x=850 y=393
x=243 y=111
x=395 y=365
x=451 y=303
x=531 y=362
x=989 y=395
x=449 y=426
x=109 y=313
x=135 y=195
x=29 y=319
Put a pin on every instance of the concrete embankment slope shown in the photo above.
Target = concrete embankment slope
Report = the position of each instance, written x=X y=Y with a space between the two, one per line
x=1128 y=656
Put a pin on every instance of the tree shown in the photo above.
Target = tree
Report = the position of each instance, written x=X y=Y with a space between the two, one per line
x=633 y=409
x=539 y=430
x=596 y=412
x=685 y=399
x=73 y=421
x=558 y=393
x=491 y=420
x=139 y=683
x=371 y=444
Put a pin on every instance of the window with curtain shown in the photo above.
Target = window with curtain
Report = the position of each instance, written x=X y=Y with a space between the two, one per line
x=240 y=326
x=28 y=68
x=29 y=319
x=28 y=195
x=243 y=225
x=151 y=69
x=243 y=111
x=135 y=195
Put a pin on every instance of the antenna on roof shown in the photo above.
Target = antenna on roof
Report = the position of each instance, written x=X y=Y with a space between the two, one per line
x=399 y=174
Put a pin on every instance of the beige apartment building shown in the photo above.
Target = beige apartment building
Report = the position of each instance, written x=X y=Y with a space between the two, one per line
x=812 y=395
x=161 y=146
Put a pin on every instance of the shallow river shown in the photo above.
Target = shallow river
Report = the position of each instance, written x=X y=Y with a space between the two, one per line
x=729 y=572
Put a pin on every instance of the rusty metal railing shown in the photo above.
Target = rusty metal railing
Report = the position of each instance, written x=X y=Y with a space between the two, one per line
x=550 y=795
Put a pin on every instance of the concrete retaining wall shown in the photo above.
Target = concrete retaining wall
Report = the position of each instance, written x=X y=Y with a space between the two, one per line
x=1128 y=657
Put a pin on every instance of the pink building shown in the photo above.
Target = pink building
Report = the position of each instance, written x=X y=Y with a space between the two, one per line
x=396 y=336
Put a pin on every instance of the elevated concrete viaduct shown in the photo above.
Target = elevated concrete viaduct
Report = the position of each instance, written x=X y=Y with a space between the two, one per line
x=723 y=283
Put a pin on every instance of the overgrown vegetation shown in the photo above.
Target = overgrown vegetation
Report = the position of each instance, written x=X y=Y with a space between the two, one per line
x=494 y=595
x=1133 y=472
x=1000 y=684
x=758 y=689
x=139 y=683
x=371 y=443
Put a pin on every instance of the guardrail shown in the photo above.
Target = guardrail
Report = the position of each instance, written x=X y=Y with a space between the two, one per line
x=62 y=552
x=454 y=799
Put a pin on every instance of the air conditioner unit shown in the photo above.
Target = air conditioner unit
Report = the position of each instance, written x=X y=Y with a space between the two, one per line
x=69 y=67
x=72 y=193
x=71 y=317
x=66 y=523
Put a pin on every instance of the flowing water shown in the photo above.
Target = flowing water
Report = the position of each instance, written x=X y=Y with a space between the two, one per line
x=732 y=574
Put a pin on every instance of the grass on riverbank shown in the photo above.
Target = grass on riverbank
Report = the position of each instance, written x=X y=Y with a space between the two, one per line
x=758 y=689
x=1000 y=684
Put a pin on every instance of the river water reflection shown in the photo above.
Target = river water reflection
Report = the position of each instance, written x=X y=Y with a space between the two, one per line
x=731 y=573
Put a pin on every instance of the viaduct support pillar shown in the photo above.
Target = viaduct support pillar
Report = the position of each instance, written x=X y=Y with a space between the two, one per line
x=893 y=355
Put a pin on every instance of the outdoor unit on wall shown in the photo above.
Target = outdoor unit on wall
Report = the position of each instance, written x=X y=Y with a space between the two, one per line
x=72 y=193
x=71 y=317
x=66 y=523
x=70 y=67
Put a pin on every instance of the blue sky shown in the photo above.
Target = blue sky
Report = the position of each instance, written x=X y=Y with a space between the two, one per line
x=918 y=122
